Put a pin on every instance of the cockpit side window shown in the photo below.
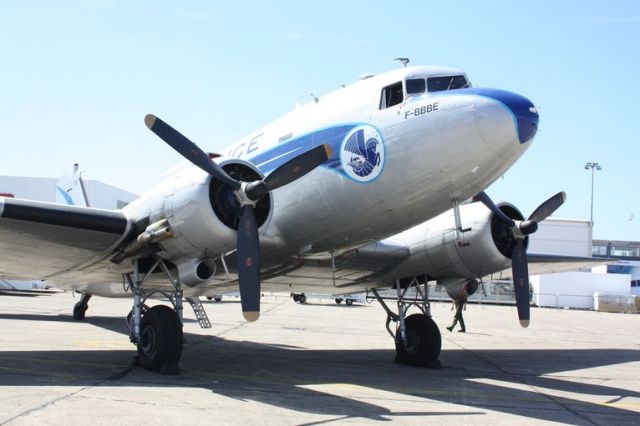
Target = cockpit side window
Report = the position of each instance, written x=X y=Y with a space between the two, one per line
x=391 y=95
x=450 y=82
x=415 y=86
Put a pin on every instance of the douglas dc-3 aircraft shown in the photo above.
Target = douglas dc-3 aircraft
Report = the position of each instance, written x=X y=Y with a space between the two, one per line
x=367 y=187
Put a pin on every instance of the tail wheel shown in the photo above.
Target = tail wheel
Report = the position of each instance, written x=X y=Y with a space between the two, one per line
x=423 y=341
x=160 y=344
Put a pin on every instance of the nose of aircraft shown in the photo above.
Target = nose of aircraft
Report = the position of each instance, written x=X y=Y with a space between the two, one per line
x=524 y=112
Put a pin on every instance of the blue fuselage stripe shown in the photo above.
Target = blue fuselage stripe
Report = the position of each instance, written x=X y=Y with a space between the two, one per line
x=273 y=158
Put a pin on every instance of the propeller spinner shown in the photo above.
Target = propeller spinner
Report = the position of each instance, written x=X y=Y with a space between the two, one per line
x=247 y=194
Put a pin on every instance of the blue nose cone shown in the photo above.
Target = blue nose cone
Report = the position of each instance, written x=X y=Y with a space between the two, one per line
x=524 y=112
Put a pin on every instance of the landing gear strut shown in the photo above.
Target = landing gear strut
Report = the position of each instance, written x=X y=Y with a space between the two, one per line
x=417 y=337
x=156 y=331
x=80 y=308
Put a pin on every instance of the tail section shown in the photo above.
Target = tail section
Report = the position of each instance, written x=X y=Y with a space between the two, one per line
x=70 y=189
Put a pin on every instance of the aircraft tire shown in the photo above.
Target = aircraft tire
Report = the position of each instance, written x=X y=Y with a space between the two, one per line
x=161 y=340
x=217 y=298
x=302 y=299
x=423 y=342
x=349 y=302
x=338 y=300
x=79 y=309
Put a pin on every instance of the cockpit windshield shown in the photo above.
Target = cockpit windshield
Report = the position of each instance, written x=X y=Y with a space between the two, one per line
x=452 y=82
x=416 y=86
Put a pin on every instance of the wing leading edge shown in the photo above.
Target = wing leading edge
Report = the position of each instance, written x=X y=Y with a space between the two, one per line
x=40 y=240
x=552 y=263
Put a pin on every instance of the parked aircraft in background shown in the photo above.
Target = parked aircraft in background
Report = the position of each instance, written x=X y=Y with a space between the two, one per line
x=70 y=189
x=363 y=189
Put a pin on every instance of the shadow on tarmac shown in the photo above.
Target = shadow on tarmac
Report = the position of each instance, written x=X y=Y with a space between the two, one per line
x=325 y=381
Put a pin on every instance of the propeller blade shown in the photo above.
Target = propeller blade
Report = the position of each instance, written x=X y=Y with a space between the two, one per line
x=289 y=171
x=520 y=271
x=484 y=199
x=188 y=150
x=298 y=167
x=548 y=207
x=248 y=245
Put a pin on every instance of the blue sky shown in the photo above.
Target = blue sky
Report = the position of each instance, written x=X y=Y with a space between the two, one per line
x=79 y=76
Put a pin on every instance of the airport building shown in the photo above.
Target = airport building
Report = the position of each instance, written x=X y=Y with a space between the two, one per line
x=99 y=194
x=606 y=287
x=628 y=255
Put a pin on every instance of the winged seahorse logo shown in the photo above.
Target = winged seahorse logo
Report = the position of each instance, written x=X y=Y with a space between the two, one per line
x=365 y=156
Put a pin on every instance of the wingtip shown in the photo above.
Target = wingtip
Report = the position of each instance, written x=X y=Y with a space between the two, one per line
x=524 y=323
x=150 y=120
x=251 y=316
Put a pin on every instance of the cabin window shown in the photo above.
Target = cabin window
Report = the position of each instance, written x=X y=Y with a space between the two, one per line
x=451 y=82
x=391 y=95
x=415 y=86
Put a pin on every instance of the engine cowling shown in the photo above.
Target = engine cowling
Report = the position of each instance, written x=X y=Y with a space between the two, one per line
x=202 y=213
x=482 y=247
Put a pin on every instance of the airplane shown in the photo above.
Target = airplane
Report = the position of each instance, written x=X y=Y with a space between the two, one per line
x=370 y=186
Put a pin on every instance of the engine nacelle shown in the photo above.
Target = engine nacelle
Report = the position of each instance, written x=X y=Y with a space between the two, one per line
x=483 y=245
x=202 y=213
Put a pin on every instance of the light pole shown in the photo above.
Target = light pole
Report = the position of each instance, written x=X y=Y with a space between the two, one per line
x=593 y=166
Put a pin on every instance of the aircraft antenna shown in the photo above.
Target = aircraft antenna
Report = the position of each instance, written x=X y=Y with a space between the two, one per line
x=404 y=61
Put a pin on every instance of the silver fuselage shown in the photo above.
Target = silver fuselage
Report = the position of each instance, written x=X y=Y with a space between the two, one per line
x=434 y=148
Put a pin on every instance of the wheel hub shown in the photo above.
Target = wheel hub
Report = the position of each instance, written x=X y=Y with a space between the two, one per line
x=413 y=342
x=148 y=341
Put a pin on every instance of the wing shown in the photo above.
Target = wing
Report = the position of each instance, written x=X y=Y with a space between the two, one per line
x=39 y=240
x=551 y=263
x=355 y=270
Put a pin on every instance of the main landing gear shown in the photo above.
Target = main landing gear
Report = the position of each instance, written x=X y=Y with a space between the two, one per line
x=156 y=331
x=417 y=337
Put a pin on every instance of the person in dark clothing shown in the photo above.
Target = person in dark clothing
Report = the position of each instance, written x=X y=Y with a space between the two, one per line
x=459 y=305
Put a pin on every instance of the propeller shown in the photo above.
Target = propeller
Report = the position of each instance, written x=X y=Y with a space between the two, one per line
x=519 y=231
x=247 y=194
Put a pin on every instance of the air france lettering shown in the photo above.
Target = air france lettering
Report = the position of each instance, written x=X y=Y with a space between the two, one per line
x=241 y=150
x=422 y=110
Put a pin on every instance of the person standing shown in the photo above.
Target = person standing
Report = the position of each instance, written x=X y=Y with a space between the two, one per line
x=459 y=304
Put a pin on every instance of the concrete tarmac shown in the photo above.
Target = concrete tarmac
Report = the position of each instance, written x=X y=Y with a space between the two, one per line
x=318 y=363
